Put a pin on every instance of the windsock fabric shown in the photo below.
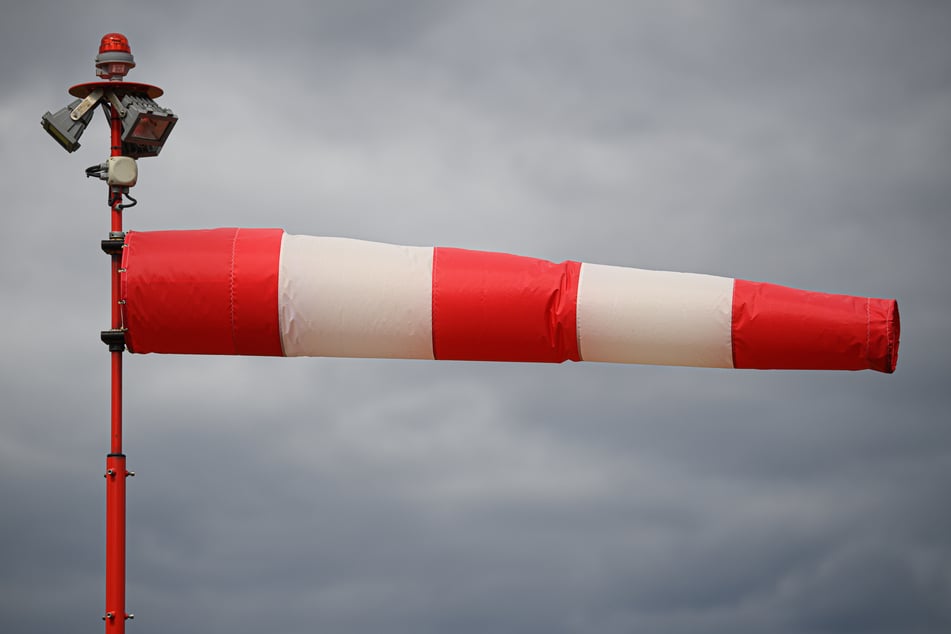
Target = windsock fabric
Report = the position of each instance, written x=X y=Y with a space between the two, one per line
x=265 y=292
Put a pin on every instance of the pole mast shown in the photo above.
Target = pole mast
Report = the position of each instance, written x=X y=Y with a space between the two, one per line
x=116 y=473
x=138 y=127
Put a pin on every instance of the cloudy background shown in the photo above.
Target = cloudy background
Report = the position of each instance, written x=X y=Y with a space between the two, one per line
x=801 y=143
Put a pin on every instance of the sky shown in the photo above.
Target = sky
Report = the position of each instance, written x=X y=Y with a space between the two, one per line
x=800 y=143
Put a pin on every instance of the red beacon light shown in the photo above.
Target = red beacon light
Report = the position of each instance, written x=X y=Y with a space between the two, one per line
x=114 y=42
x=114 y=60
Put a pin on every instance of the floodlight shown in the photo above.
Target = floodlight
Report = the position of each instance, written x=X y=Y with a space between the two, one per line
x=145 y=123
x=64 y=128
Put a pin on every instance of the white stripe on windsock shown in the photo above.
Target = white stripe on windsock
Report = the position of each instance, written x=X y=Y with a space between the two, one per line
x=352 y=298
x=655 y=317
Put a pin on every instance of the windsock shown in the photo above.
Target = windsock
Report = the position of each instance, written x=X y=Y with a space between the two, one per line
x=265 y=292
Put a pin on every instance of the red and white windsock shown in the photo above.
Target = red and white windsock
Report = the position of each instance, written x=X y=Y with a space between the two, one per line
x=265 y=292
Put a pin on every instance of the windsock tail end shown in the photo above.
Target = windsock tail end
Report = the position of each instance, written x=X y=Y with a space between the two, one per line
x=884 y=326
x=780 y=328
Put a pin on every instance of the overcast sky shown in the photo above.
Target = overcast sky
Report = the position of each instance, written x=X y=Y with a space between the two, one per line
x=800 y=143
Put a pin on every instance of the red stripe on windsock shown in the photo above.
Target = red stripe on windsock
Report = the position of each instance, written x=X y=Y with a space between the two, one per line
x=775 y=327
x=501 y=307
x=210 y=291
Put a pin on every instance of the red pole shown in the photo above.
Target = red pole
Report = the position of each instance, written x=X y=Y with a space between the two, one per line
x=116 y=473
x=112 y=64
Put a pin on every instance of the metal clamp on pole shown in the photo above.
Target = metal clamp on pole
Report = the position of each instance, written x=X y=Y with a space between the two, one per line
x=115 y=243
x=114 y=338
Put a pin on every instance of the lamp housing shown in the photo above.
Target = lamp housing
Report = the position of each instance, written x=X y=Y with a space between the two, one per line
x=64 y=128
x=145 y=125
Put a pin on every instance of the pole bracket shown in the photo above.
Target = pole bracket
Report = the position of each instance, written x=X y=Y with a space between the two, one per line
x=112 y=246
x=115 y=243
x=114 y=338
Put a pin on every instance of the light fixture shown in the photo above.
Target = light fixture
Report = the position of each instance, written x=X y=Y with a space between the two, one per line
x=142 y=124
x=145 y=125
x=66 y=129
x=114 y=60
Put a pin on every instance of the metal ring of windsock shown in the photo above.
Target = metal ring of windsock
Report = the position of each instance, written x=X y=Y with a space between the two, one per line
x=265 y=292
